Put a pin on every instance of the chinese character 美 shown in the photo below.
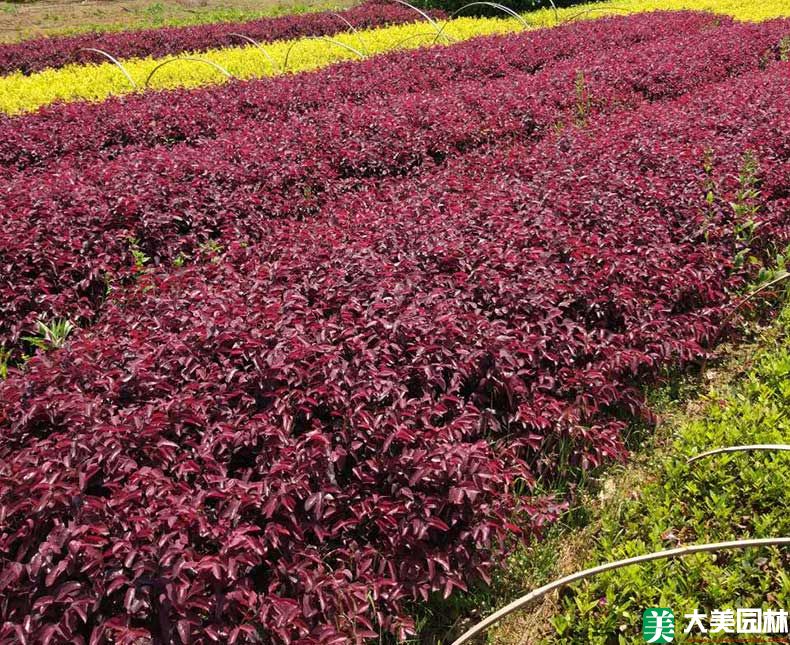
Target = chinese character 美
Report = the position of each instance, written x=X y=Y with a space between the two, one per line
x=722 y=621
x=658 y=625
x=696 y=619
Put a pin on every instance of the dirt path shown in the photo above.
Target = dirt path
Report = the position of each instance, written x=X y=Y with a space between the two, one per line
x=32 y=19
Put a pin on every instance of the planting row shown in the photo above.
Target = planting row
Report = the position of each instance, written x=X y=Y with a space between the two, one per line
x=42 y=53
x=22 y=93
x=72 y=231
x=322 y=419
x=740 y=9
x=83 y=133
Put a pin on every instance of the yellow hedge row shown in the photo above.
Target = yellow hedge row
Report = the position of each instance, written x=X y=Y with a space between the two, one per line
x=20 y=93
x=746 y=10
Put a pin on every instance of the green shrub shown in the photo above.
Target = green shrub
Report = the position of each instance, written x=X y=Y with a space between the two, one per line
x=725 y=497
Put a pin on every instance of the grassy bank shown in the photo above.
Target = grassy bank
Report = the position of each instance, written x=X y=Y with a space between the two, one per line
x=659 y=501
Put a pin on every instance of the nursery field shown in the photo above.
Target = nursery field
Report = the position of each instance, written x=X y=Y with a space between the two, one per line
x=37 y=18
x=284 y=359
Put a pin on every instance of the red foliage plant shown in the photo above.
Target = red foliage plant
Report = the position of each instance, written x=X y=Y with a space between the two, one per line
x=37 y=54
x=400 y=322
x=81 y=132
x=173 y=199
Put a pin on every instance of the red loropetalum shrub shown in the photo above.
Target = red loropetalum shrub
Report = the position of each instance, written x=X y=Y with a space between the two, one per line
x=81 y=132
x=167 y=201
x=41 y=53
x=328 y=411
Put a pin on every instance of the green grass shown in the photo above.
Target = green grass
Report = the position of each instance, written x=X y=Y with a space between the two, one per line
x=724 y=497
x=657 y=502
x=156 y=15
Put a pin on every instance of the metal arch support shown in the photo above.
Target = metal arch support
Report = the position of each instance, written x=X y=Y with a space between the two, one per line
x=609 y=566
x=495 y=5
x=771 y=447
x=413 y=36
x=113 y=60
x=344 y=46
x=362 y=45
x=419 y=11
x=219 y=68
x=330 y=40
x=252 y=41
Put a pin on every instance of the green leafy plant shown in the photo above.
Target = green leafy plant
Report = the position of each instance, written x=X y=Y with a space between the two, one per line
x=52 y=335
x=179 y=260
x=139 y=258
x=583 y=102
x=211 y=248
x=746 y=205
x=777 y=271
x=5 y=357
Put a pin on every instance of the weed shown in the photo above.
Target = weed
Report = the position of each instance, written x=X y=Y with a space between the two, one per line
x=155 y=13
x=210 y=247
x=583 y=104
x=784 y=49
x=746 y=205
x=139 y=258
x=52 y=335
x=5 y=357
x=557 y=127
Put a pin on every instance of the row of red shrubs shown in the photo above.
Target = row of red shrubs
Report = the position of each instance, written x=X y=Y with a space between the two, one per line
x=37 y=54
x=364 y=327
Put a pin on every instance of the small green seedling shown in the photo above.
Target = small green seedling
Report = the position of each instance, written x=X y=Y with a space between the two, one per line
x=5 y=357
x=583 y=102
x=210 y=247
x=52 y=336
x=139 y=258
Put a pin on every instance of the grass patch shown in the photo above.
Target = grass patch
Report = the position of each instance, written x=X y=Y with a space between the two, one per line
x=660 y=502
x=656 y=502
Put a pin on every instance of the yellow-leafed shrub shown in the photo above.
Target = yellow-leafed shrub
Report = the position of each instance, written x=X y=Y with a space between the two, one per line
x=20 y=93
x=751 y=10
